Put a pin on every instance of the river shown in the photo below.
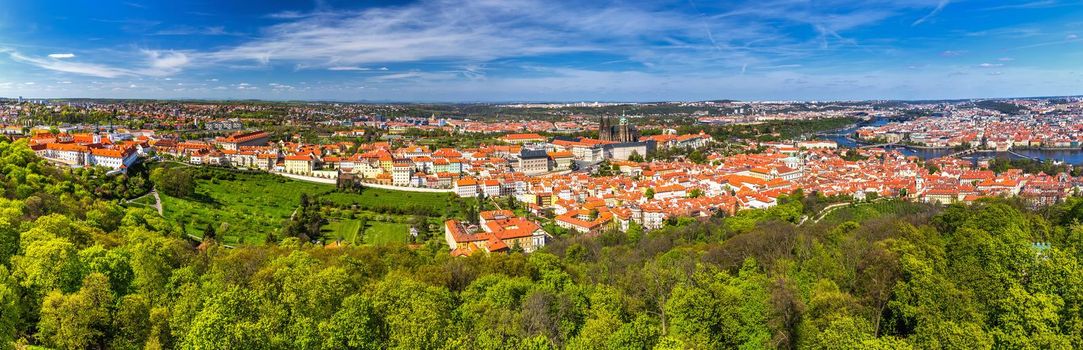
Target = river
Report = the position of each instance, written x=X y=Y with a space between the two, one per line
x=1074 y=157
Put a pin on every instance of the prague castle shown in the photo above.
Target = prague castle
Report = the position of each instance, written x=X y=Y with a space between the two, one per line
x=622 y=132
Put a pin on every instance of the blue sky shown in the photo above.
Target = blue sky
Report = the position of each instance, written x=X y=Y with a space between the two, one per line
x=541 y=50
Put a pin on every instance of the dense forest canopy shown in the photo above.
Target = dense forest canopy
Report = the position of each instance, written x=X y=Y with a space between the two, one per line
x=79 y=270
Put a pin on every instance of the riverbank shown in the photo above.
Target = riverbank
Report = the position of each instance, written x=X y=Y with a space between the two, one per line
x=843 y=137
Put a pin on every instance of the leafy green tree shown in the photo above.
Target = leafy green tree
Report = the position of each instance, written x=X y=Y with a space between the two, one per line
x=697 y=157
x=10 y=312
x=11 y=212
x=176 y=182
x=209 y=232
x=231 y=316
x=356 y=325
x=306 y=221
x=414 y=313
x=131 y=322
x=153 y=259
x=112 y=263
x=721 y=311
x=491 y=307
x=635 y=232
x=48 y=265
x=79 y=320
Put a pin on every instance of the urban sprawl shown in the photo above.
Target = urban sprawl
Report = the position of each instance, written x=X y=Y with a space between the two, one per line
x=586 y=172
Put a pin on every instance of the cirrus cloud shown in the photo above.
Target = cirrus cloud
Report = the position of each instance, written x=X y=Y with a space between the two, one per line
x=154 y=63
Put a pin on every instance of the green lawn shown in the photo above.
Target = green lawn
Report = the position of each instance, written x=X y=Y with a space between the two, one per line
x=345 y=230
x=866 y=211
x=402 y=202
x=250 y=206
x=385 y=232
x=147 y=200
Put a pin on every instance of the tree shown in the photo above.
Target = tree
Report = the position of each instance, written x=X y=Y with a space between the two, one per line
x=209 y=233
x=176 y=182
x=649 y=193
x=113 y=263
x=421 y=224
x=697 y=157
x=852 y=154
x=229 y=317
x=79 y=320
x=11 y=213
x=153 y=259
x=307 y=220
x=634 y=232
x=131 y=322
x=604 y=169
x=635 y=157
x=415 y=313
x=720 y=311
x=356 y=325
x=10 y=312
x=48 y=265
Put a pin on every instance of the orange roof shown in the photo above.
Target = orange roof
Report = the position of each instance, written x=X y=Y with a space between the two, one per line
x=304 y=157
x=113 y=152
x=241 y=136
x=71 y=147
x=561 y=154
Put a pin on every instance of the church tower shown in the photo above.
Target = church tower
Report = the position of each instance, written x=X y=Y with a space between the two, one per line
x=605 y=131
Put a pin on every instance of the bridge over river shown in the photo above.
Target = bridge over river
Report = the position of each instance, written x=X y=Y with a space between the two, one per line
x=970 y=151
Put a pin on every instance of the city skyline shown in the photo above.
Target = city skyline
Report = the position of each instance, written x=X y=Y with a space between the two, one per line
x=493 y=51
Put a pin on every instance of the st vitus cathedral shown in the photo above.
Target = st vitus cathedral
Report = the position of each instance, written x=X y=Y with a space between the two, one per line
x=622 y=132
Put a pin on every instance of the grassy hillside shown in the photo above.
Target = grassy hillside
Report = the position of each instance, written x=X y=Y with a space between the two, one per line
x=246 y=207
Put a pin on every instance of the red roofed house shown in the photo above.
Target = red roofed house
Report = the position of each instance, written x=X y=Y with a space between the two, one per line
x=585 y=221
x=466 y=187
x=523 y=138
x=300 y=164
x=498 y=231
x=241 y=138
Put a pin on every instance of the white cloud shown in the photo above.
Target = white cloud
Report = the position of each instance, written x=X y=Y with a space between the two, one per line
x=936 y=10
x=164 y=63
x=155 y=63
x=347 y=68
x=188 y=30
x=457 y=33
x=96 y=70
x=288 y=15
x=415 y=75
x=61 y=55
x=990 y=65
